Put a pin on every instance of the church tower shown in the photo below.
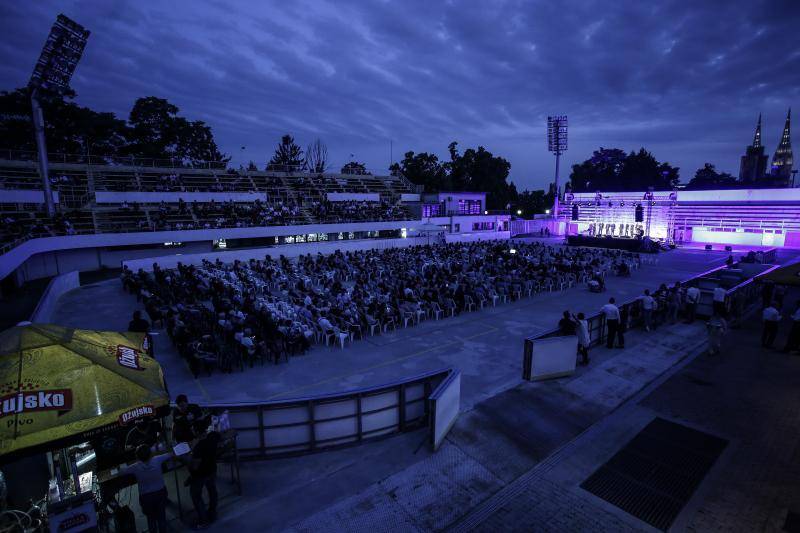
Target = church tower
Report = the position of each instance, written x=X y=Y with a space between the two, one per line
x=753 y=165
x=782 y=161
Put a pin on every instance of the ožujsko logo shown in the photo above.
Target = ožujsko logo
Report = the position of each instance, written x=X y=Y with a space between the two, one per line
x=128 y=357
x=137 y=412
x=31 y=401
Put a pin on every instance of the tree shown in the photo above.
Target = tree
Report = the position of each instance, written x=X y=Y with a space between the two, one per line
x=157 y=132
x=707 y=178
x=69 y=128
x=480 y=170
x=288 y=156
x=354 y=167
x=611 y=169
x=317 y=157
x=534 y=202
x=422 y=169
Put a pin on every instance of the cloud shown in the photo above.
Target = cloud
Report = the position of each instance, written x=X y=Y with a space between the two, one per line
x=684 y=80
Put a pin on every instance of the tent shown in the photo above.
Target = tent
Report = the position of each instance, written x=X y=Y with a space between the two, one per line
x=60 y=386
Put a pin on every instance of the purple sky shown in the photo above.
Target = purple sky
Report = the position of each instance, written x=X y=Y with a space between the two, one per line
x=684 y=79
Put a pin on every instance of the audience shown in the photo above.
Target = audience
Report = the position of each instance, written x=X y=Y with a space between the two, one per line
x=231 y=315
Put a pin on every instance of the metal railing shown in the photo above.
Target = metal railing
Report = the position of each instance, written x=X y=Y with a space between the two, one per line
x=632 y=318
x=316 y=423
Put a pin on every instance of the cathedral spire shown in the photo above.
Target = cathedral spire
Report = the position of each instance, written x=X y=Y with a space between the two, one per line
x=782 y=161
x=757 y=136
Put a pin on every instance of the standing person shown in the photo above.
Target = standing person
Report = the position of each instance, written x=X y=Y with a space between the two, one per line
x=673 y=304
x=624 y=322
x=582 y=327
x=184 y=416
x=719 y=300
x=717 y=327
x=793 y=342
x=152 y=491
x=203 y=472
x=692 y=299
x=770 y=317
x=138 y=324
x=648 y=303
x=611 y=312
x=566 y=326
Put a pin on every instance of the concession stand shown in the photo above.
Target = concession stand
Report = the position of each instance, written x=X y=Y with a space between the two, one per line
x=69 y=398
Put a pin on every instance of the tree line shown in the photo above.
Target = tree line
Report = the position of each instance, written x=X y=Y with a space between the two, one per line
x=154 y=129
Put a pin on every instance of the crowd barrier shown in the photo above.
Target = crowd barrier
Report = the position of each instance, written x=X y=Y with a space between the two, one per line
x=550 y=354
x=316 y=423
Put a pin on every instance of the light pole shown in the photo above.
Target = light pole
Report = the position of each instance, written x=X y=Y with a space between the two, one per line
x=60 y=55
x=557 y=144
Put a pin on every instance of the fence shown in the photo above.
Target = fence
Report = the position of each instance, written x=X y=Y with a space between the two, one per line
x=737 y=298
x=306 y=425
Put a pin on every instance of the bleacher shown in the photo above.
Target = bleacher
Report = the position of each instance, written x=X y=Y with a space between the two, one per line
x=285 y=199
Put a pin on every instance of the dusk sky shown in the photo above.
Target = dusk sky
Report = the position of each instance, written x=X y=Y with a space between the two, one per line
x=686 y=80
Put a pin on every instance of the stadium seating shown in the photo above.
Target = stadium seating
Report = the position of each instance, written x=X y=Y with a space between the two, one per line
x=284 y=198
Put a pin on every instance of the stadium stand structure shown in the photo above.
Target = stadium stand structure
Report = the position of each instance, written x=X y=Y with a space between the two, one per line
x=98 y=199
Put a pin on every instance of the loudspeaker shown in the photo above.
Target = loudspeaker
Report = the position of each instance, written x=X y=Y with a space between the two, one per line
x=574 y=211
x=639 y=213
x=708 y=246
x=729 y=248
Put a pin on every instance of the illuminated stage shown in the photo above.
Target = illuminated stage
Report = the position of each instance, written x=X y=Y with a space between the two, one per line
x=745 y=217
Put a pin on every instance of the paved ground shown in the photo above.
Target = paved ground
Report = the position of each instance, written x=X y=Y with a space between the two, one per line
x=519 y=451
x=486 y=346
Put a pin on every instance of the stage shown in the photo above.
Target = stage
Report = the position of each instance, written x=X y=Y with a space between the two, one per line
x=615 y=243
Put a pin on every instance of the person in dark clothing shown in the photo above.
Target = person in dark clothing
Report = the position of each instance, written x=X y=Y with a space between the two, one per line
x=566 y=326
x=184 y=416
x=138 y=324
x=144 y=432
x=203 y=471
x=624 y=316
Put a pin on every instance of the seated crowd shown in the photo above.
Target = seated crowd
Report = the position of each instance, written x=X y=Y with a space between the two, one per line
x=231 y=315
x=357 y=211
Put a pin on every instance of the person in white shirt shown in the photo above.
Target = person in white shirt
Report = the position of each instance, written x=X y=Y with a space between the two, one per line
x=611 y=313
x=770 y=317
x=582 y=330
x=692 y=299
x=648 y=304
x=720 y=294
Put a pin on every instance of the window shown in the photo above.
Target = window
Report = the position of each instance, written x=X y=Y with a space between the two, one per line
x=469 y=207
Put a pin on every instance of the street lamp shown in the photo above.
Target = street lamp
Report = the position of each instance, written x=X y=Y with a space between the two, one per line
x=519 y=212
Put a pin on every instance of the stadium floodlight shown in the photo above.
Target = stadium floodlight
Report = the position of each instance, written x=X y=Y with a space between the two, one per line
x=557 y=143
x=53 y=71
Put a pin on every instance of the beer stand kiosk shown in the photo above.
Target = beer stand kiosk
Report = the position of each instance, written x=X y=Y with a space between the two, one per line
x=73 y=397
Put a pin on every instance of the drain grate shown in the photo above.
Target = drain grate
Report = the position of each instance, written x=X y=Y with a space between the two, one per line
x=654 y=475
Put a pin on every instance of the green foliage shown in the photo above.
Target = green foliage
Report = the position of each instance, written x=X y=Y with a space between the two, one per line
x=354 y=167
x=611 y=169
x=288 y=156
x=707 y=178
x=154 y=130
x=474 y=170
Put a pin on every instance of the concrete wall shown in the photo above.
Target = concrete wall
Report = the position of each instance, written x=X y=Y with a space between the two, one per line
x=58 y=286
x=23 y=196
x=113 y=197
x=353 y=196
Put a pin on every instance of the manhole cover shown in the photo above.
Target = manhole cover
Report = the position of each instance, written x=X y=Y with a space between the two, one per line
x=655 y=474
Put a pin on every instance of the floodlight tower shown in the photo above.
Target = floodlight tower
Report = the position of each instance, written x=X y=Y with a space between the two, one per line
x=557 y=143
x=60 y=55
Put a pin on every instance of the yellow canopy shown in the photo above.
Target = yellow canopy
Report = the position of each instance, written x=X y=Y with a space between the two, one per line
x=61 y=385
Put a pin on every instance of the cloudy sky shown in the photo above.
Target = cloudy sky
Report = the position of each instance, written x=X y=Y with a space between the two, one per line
x=684 y=79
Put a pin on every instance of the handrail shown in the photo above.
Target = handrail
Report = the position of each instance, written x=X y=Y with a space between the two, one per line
x=596 y=324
